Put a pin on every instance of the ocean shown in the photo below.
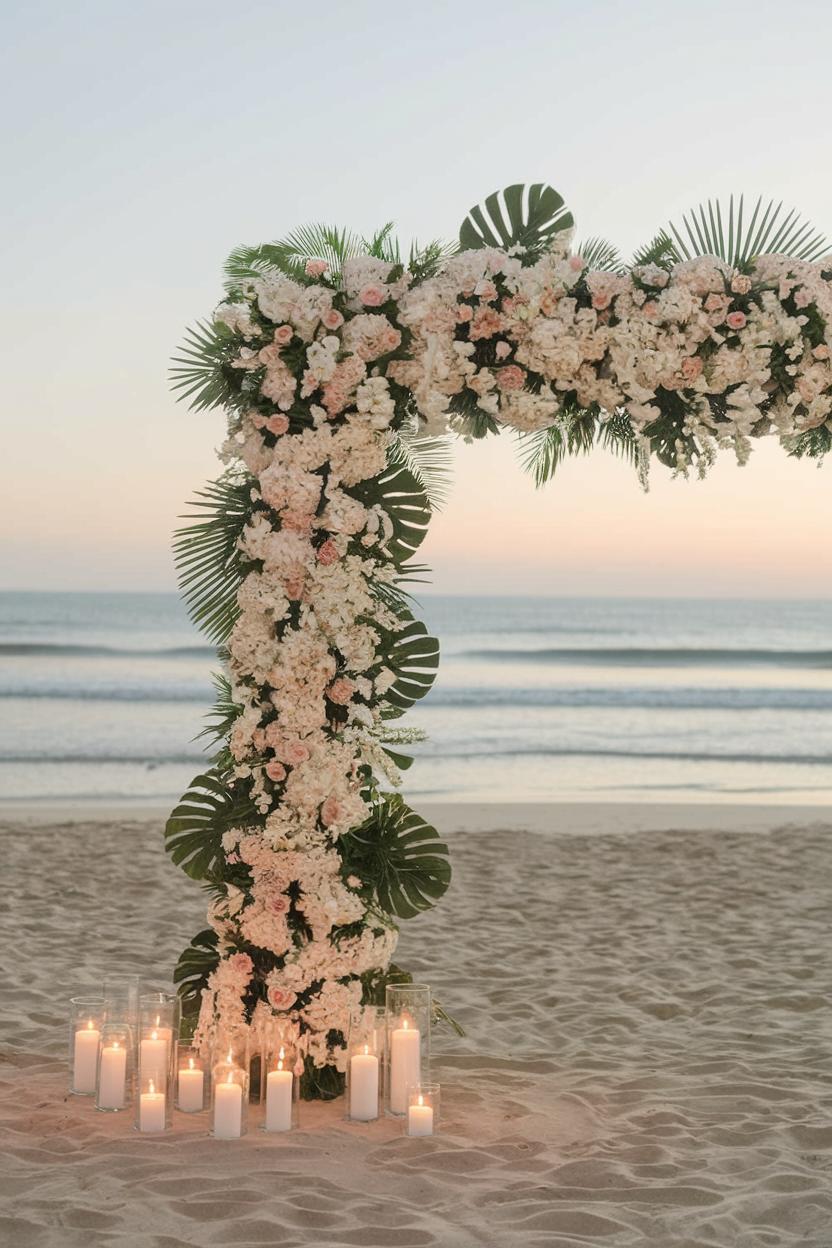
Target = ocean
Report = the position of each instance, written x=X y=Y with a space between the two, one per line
x=568 y=699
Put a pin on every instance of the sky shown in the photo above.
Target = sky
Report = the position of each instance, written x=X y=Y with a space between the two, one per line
x=142 y=141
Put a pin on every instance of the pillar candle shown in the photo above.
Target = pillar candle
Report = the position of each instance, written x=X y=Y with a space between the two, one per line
x=364 y=1086
x=279 y=1099
x=228 y=1110
x=420 y=1119
x=154 y=1053
x=405 y=1065
x=111 y=1076
x=152 y=1110
x=191 y=1088
x=85 y=1058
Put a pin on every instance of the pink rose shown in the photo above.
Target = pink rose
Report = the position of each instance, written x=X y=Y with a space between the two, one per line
x=275 y=771
x=501 y=350
x=601 y=301
x=328 y=553
x=802 y=298
x=241 y=964
x=691 y=367
x=316 y=268
x=736 y=320
x=283 y=335
x=258 y=738
x=486 y=290
x=464 y=312
x=280 y=999
x=485 y=324
x=576 y=263
x=277 y=424
x=232 y=858
x=821 y=352
x=740 y=284
x=371 y=296
x=511 y=378
x=331 y=811
x=717 y=304
x=340 y=691
x=293 y=752
x=278 y=904
x=650 y=309
x=332 y=318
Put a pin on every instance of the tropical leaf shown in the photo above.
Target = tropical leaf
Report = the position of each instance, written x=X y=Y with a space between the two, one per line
x=660 y=250
x=201 y=371
x=403 y=497
x=429 y=460
x=194 y=831
x=207 y=557
x=192 y=970
x=737 y=236
x=599 y=254
x=413 y=654
x=527 y=217
x=400 y=857
x=224 y=712
x=576 y=433
x=290 y=254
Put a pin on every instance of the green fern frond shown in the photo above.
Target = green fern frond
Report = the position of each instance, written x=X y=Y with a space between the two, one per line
x=206 y=554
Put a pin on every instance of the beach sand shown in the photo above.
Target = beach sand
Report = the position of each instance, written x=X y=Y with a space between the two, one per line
x=648 y=1057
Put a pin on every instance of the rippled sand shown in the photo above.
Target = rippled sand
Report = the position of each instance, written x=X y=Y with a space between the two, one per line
x=648 y=1058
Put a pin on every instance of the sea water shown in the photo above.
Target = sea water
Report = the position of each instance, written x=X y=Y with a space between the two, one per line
x=102 y=698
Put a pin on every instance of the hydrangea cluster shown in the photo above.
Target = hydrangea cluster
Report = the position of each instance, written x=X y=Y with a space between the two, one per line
x=325 y=369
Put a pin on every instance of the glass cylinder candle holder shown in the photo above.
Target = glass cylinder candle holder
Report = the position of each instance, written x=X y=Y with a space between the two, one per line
x=114 y=1082
x=158 y=1028
x=409 y=1012
x=86 y=1018
x=154 y=1102
x=365 y=1063
x=121 y=1001
x=422 y=1109
x=229 y=1080
x=192 y=1080
x=281 y=1089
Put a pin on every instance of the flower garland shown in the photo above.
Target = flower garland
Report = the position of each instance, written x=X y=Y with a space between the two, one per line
x=323 y=371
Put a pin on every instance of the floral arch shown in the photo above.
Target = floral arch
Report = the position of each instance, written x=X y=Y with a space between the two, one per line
x=344 y=368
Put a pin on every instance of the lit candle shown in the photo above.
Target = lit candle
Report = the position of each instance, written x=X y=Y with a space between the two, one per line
x=112 y=1076
x=364 y=1085
x=279 y=1098
x=152 y=1110
x=228 y=1109
x=85 y=1057
x=154 y=1053
x=405 y=1064
x=191 y=1088
x=420 y=1118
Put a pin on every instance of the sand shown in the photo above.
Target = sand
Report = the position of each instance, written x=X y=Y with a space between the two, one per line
x=648 y=1058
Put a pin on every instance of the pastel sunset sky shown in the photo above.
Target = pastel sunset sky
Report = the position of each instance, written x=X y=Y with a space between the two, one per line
x=143 y=141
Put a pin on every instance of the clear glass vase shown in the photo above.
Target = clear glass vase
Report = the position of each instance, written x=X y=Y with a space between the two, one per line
x=365 y=1063
x=154 y=1103
x=158 y=1031
x=409 y=1012
x=422 y=1109
x=193 y=1083
x=114 y=1080
x=229 y=1096
x=86 y=1018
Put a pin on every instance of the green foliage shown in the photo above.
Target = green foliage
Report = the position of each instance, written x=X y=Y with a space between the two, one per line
x=201 y=371
x=813 y=444
x=429 y=460
x=599 y=254
x=194 y=831
x=414 y=657
x=320 y=1083
x=402 y=495
x=535 y=214
x=207 y=559
x=191 y=974
x=400 y=858
x=222 y=716
x=576 y=433
x=711 y=231
x=660 y=250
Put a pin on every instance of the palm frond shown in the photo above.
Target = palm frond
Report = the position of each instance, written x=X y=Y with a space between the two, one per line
x=430 y=460
x=600 y=254
x=289 y=254
x=736 y=236
x=660 y=250
x=201 y=371
x=383 y=245
x=425 y=260
x=223 y=713
x=576 y=433
x=206 y=555
x=616 y=434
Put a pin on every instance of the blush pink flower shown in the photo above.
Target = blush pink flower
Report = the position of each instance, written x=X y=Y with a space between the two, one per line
x=332 y=318
x=241 y=964
x=258 y=738
x=576 y=263
x=501 y=350
x=736 y=320
x=340 y=691
x=328 y=553
x=486 y=290
x=278 y=904
x=280 y=998
x=650 y=309
x=277 y=425
x=316 y=268
x=802 y=298
x=331 y=811
x=371 y=296
x=740 y=284
x=485 y=324
x=821 y=352
x=276 y=771
x=464 y=312
x=283 y=335
x=691 y=367
x=511 y=378
x=292 y=752
x=601 y=301
x=294 y=586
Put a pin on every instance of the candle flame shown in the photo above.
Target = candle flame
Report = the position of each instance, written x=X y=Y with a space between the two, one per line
x=190 y=1063
x=282 y=1053
x=115 y=1044
x=229 y=1059
x=366 y=1050
x=280 y=1063
x=154 y=1035
x=152 y=1087
x=421 y=1099
x=158 y=1019
x=230 y=1077
x=405 y=1023
x=89 y=1024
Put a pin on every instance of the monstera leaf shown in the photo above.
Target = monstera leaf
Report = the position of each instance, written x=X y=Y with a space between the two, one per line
x=413 y=655
x=193 y=968
x=194 y=831
x=400 y=856
x=518 y=216
x=403 y=497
